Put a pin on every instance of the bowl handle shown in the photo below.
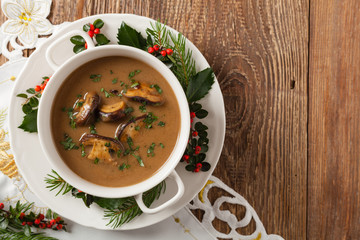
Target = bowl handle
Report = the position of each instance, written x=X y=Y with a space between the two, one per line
x=174 y=199
x=50 y=49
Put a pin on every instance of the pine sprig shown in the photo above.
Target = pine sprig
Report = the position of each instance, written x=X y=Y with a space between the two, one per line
x=129 y=209
x=7 y=234
x=55 y=181
x=184 y=64
x=159 y=33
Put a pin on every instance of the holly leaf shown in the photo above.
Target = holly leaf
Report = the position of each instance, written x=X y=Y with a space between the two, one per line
x=78 y=48
x=77 y=40
x=200 y=85
x=29 y=124
x=130 y=37
x=101 y=39
x=98 y=23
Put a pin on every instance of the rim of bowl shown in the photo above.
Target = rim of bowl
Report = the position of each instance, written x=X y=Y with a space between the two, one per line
x=44 y=121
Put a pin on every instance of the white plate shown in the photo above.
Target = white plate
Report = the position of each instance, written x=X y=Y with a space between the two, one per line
x=34 y=167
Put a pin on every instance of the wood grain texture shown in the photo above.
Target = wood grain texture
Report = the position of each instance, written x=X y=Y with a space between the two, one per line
x=258 y=50
x=334 y=121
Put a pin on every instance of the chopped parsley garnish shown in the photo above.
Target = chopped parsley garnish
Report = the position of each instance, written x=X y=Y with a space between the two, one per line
x=138 y=158
x=92 y=129
x=161 y=145
x=83 y=154
x=161 y=124
x=95 y=77
x=122 y=83
x=107 y=94
x=128 y=110
x=133 y=73
x=118 y=153
x=142 y=108
x=107 y=144
x=137 y=128
x=124 y=166
x=150 y=118
x=135 y=84
x=96 y=161
x=114 y=81
x=79 y=96
x=70 y=113
x=150 y=151
x=158 y=89
x=79 y=103
x=111 y=72
x=68 y=143
x=126 y=152
x=130 y=142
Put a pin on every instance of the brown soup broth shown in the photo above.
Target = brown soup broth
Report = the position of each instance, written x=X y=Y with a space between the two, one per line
x=114 y=73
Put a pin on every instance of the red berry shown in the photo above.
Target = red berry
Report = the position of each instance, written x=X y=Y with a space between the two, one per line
x=156 y=47
x=37 y=88
x=186 y=157
x=58 y=219
x=197 y=148
x=37 y=221
x=195 y=133
x=92 y=27
x=42 y=225
x=41 y=216
x=29 y=223
x=197 y=170
x=192 y=115
x=1 y=205
x=23 y=223
x=53 y=221
x=169 y=51
x=163 y=52
x=86 y=45
x=91 y=33
x=151 y=50
x=48 y=225
x=22 y=215
x=97 y=31
x=199 y=165
x=42 y=86
x=59 y=226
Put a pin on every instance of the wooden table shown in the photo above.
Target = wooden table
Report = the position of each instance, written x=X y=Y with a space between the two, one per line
x=289 y=72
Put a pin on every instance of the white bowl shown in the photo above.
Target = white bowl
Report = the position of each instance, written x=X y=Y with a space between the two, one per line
x=48 y=145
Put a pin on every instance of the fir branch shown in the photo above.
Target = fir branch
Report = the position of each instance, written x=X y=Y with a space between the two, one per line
x=55 y=181
x=184 y=64
x=7 y=234
x=129 y=209
x=159 y=33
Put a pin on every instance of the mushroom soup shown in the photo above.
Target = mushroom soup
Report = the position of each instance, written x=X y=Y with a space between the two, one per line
x=115 y=121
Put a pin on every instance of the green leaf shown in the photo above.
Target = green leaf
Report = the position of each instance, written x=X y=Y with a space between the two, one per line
x=201 y=113
x=26 y=108
x=22 y=95
x=101 y=39
x=205 y=166
x=77 y=40
x=98 y=23
x=109 y=203
x=195 y=107
x=27 y=230
x=190 y=168
x=200 y=85
x=29 y=124
x=86 y=27
x=78 y=48
x=130 y=37
x=34 y=102
x=31 y=90
x=4 y=223
x=200 y=127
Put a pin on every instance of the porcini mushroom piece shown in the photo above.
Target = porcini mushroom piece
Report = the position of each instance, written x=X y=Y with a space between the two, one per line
x=102 y=147
x=143 y=93
x=112 y=112
x=86 y=114
x=128 y=129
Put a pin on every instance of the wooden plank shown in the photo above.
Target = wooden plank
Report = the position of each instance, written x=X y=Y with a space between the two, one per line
x=334 y=120
x=257 y=50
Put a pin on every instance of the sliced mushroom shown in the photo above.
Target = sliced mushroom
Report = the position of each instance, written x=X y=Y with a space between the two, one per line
x=144 y=93
x=102 y=147
x=128 y=129
x=86 y=114
x=112 y=112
